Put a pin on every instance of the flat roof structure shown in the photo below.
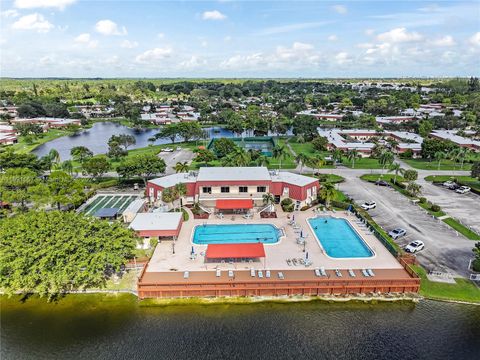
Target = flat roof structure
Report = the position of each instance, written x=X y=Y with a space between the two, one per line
x=233 y=174
x=235 y=251
x=457 y=139
x=232 y=204
x=156 y=221
x=174 y=179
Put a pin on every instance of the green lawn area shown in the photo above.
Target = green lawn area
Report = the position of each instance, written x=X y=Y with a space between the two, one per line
x=23 y=147
x=303 y=148
x=433 y=165
x=469 y=234
x=463 y=290
x=362 y=163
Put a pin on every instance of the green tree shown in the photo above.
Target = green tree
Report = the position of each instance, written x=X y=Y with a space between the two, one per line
x=61 y=189
x=352 y=155
x=96 y=166
x=81 y=153
x=413 y=188
x=50 y=253
x=385 y=159
x=410 y=175
x=142 y=165
x=301 y=159
x=439 y=156
x=475 y=171
x=320 y=143
x=268 y=199
x=280 y=153
x=396 y=169
x=181 y=167
x=327 y=193
x=15 y=186
x=425 y=128
x=223 y=146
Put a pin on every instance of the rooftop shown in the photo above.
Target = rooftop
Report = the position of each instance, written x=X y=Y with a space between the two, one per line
x=233 y=174
x=156 y=221
x=174 y=179
x=292 y=178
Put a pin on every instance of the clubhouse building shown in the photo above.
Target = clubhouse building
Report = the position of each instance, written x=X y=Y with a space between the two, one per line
x=236 y=188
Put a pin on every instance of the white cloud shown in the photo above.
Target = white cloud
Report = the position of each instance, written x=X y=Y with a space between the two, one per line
x=340 y=9
x=343 y=58
x=160 y=35
x=31 y=4
x=108 y=27
x=127 y=44
x=193 y=63
x=447 y=40
x=46 y=60
x=85 y=38
x=292 y=27
x=475 y=39
x=399 y=35
x=154 y=55
x=12 y=13
x=33 y=22
x=213 y=15
x=369 y=32
x=332 y=38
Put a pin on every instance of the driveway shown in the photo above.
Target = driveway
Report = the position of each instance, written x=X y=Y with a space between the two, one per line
x=171 y=158
x=444 y=250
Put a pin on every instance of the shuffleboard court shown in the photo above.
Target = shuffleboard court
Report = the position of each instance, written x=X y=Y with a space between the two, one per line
x=119 y=201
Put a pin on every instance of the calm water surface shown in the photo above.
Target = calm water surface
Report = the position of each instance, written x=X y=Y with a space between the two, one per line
x=110 y=327
x=97 y=136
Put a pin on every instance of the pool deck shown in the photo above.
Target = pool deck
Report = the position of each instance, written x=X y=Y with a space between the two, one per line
x=163 y=259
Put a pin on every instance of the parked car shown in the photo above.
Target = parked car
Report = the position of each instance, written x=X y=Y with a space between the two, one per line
x=369 y=205
x=167 y=149
x=448 y=183
x=415 y=246
x=462 y=189
x=382 y=183
x=397 y=233
x=454 y=186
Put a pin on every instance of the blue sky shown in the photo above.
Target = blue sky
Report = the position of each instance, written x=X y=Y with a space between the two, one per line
x=77 y=38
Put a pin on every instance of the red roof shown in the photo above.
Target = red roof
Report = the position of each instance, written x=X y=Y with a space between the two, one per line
x=224 y=251
x=234 y=204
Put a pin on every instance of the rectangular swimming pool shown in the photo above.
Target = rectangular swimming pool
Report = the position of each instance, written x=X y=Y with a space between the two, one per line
x=339 y=239
x=235 y=233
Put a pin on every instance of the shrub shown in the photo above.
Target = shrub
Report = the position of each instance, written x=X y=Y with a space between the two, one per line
x=423 y=200
x=287 y=205
x=435 y=208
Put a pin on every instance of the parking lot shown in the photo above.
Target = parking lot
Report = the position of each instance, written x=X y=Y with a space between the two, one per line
x=445 y=251
x=463 y=207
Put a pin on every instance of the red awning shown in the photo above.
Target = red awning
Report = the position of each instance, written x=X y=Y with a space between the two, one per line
x=226 y=251
x=230 y=204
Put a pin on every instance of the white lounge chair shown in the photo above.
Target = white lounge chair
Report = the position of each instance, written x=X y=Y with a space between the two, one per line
x=365 y=273
x=322 y=271
x=218 y=273
x=230 y=273
x=267 y=274
x=351 y=273
x=252 y=272
x=280 y=275
x=338 y=273
x=370 y=272
x=186 y=275
x=260 y=274
x=317 y=272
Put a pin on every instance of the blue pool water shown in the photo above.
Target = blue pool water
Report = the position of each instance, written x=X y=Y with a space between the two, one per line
x=236 y=233
x=339 y=239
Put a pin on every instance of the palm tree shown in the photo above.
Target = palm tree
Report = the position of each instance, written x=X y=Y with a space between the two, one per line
x=302 y=160
x=413 y=188
x=386 y=158
x=439 y=156
x=268 y=199
x=352 y=155
x=67 y=166
x=180 y=190
x=240 y=157
x=262 y=160
x=54 y=155
x=397 y=169
x=181 y=167
x=328 y=193
x=316 y=163
x=453 y=156
x=462 y=155
x=279 y=152
x=337 y=155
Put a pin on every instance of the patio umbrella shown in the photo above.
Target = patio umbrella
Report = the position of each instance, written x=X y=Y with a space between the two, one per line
x=293 y=217
x=193 y=251
x=306 y=256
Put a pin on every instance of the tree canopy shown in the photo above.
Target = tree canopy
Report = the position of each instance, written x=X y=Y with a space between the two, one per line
x=50 y=253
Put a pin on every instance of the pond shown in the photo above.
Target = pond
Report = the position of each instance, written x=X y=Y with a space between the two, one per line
x=97 y=136
x=116 y=327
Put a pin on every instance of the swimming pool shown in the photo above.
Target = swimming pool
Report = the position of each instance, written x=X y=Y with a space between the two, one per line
x=338 y=238
x=236 y=233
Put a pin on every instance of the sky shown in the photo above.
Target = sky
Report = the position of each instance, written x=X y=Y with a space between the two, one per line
x=79 y=38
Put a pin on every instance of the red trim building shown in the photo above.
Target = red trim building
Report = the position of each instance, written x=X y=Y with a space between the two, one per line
x=157 y=224
x=237 y=187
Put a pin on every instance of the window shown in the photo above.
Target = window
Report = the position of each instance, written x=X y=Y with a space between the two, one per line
x=243 y=189
x=225 y=189
x=207 y=190
x=261 y=189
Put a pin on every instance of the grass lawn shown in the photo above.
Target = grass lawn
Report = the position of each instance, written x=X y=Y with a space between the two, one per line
x=23 y=147
x=301 y=148
x=463 y=290
x=433 y=165
x=469 y=234
x=362 y=163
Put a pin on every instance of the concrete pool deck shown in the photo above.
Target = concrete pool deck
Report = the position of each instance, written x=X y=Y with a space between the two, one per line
x=163 y=259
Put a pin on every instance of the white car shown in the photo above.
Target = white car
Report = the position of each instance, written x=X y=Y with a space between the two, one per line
x=462 y=189
x=448 y=183
x=415 y=246
x=167 y=149
x=369 y=205
x=397 y=233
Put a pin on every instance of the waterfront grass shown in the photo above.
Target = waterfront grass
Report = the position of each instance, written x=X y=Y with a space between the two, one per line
x=462 y=290
x=25 y=147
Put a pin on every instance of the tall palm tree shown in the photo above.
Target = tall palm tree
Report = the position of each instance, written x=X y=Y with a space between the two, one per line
x=268 y=199
x=302 y=160
x=453 y=156
x=262 y=160
x=316 y=163
x=54 y=155
x=337 y=155
x=352 y=155
x=462 y=155
x=280 y=153
x=180 y=190
x=439 y=156
x=386 y=158
x=181 y=167
x=328 y=193
x=67 y=166
x=397 y=169
x=241 y=157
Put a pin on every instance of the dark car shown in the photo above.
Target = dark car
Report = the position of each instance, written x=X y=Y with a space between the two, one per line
x=382 y=183
x=454 y=187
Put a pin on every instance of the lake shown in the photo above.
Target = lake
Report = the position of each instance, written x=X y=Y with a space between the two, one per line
x=115 y=327
x=97 y=136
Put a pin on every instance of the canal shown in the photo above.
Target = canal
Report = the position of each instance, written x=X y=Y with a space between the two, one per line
x=116 y=327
